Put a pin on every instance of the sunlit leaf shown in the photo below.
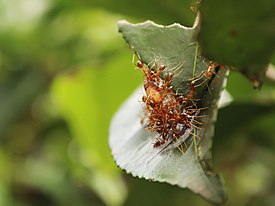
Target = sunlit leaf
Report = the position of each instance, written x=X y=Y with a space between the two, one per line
x=80 y=96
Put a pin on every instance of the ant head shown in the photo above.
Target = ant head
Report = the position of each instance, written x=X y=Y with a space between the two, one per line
x=162 y=67
x=139 y=64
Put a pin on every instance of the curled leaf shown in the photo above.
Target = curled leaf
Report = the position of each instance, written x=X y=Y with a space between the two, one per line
x=186 y=161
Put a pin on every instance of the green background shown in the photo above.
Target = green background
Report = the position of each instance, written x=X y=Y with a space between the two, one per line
x=65 y=70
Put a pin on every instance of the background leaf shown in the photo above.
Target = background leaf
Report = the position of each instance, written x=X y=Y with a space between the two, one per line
x=239 y=34
x=164 y=11
x=88 y=117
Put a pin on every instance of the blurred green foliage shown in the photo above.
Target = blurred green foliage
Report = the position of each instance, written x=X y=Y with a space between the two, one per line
x=64 y=70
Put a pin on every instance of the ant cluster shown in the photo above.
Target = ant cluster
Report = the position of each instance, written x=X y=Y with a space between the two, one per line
x=168 y=113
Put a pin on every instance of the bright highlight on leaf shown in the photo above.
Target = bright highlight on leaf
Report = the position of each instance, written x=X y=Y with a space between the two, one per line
x=165 y=134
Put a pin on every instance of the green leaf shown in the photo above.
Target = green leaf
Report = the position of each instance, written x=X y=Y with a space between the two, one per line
x=239 y=34
x=248 y=112
x=164 y=11
x=132 y=145
x=81 y=101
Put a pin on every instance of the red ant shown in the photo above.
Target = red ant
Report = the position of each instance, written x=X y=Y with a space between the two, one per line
x=167 y=112
x=140 y=64
x=211 y=69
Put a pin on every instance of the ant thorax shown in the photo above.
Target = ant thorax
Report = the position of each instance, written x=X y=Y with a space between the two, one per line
x=167 y=113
